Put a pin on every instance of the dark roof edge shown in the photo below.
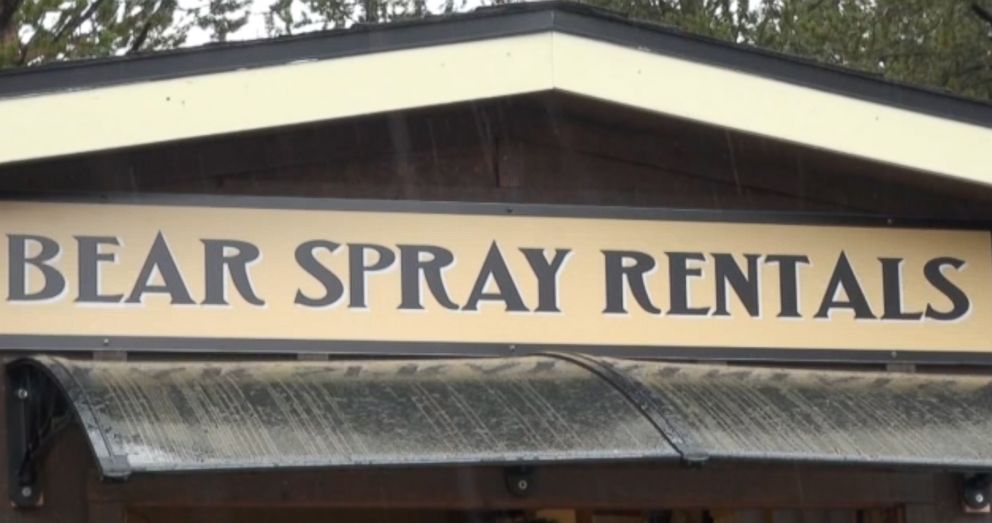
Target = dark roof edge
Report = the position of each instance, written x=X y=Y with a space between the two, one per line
x=232 y=56
x=486 y=23
x=610 y=27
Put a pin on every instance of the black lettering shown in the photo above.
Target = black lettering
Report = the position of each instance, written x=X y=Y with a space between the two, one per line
x=307 y=260
x=843 y=278
x=89 y=268
x=617 y=273
x=216 y=263
x=357 y=270
x=788 y=282
x=547 y=276
x=495 y=267
x=746 y=287
x=432 y=269
x=679 y=273
x=934 y=273
x=160 y=259
x=892 y=291
x=18 y=262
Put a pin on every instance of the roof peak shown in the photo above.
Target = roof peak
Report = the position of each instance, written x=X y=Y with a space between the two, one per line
x=515 y=18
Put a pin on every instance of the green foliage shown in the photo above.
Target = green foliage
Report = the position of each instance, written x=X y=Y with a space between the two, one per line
x=36 y=31
x=939 y=43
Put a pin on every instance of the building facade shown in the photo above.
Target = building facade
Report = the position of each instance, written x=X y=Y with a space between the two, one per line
x=530 y=263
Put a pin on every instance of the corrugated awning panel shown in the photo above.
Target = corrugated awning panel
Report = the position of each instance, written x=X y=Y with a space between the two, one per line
x=825 y=416
x=165 y=416
x=158 y=416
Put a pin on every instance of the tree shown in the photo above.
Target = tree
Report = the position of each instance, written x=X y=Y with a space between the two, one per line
x=939 y=43
x=945 y=44
x=36 y=31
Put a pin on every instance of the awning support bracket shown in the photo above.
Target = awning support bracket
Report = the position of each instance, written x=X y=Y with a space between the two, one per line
x=36 y=413
x=977 y=493
x=519 y=480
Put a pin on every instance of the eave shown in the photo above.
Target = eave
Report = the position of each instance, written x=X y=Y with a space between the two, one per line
x=89 y=106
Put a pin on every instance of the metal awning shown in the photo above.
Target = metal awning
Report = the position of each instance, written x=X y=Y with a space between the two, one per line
x=791 y=415
x=146 y=417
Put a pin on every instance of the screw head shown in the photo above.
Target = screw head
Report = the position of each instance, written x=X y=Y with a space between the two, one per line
x=26 y=492
x=979 y=498
x=22 y=393
x=522 y=484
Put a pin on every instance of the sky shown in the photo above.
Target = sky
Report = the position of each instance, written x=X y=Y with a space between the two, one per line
x=255 y=28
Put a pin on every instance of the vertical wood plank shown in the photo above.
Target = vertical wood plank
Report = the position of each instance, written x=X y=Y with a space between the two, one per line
x=106 y=513
x=919 y=514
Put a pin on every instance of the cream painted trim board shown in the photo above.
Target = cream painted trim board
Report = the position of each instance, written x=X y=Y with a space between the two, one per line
x=149 y=112
x=119 y=116
x=772 y=108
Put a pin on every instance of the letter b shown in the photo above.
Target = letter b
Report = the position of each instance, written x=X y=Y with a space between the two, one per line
x=18 y=262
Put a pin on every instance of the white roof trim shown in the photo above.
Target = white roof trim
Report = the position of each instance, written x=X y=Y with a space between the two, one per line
x=102 y=118
x=773 y=108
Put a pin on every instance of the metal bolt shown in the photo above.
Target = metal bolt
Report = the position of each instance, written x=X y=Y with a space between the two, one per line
x=26 y=492
x=22 y=393
x=106 y=342
x=522 y=485
x=979 y=498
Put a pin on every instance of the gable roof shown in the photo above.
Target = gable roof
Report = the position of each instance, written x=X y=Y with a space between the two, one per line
x=84 y=106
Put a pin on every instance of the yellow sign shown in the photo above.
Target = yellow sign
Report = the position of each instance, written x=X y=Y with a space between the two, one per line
x=171 y=271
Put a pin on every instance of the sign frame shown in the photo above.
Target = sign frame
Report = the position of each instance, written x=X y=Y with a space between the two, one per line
x=225 y=345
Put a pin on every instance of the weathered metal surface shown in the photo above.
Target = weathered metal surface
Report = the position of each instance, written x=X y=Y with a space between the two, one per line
x=157 y=416
x=827 y=416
